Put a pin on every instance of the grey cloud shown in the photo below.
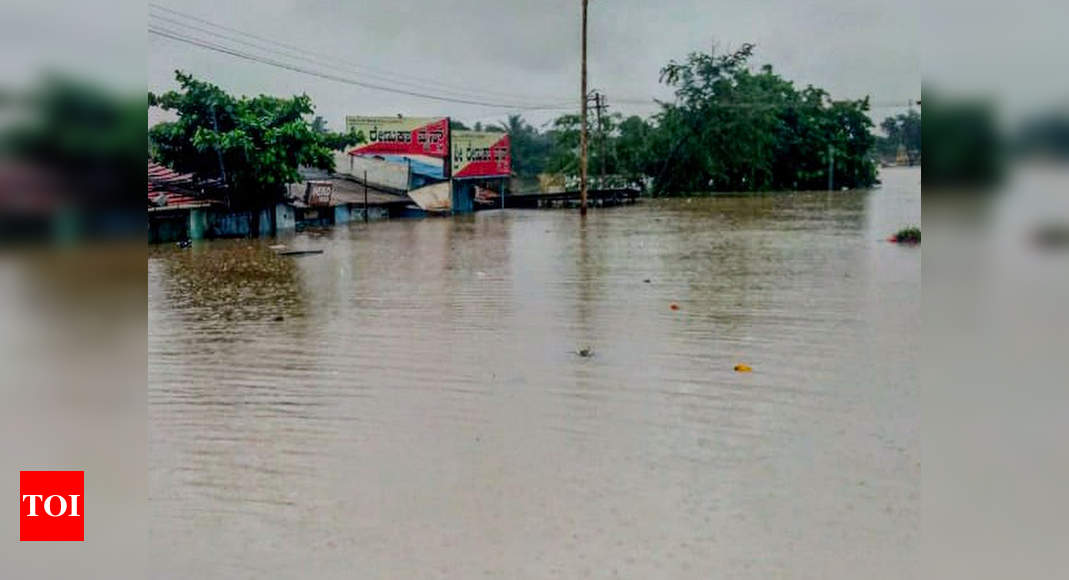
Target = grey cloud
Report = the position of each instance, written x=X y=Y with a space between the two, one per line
x=529 y=51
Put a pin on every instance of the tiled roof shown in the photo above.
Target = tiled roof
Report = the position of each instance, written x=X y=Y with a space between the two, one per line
x=168 y=188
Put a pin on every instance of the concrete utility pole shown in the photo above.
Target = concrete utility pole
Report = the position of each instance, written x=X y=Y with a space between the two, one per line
x=219 y=154
x=831 y=168
x=599 y=106
x=582 y=126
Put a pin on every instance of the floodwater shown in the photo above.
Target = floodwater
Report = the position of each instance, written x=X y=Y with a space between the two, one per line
x=409 y=403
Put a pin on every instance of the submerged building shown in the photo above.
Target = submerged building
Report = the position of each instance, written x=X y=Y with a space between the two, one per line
x=442 y=170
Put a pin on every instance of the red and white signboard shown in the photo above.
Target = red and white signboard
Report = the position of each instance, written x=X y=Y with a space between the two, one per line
x=417 y=136
x=481 y=154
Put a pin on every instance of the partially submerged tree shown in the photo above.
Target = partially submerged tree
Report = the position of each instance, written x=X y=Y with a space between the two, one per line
x=730 y=128
x=564 y=155
x=734 y=129
x=903 y=130
x=631 y=149
x=530 y=149
x=256 y=145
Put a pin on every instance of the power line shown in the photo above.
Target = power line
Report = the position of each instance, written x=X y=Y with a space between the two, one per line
x=177 y=36
x=267 y=40
x=389 y=76
x=466 y=96
x=316 y=61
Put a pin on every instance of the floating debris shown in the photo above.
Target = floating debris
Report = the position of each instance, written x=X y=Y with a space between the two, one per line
x=910 y=235
x=184 y=243
x=300 y=252
x=743 y=368
x=277 y=247
x=647 y=280
x=674 y=306
x=279 y=318
x=585 y=352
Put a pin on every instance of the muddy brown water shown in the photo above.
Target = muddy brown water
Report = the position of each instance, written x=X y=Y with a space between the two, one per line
x=410 y=404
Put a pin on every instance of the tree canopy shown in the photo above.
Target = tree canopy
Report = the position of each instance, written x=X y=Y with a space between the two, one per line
x=731 y=127
x=735 y=129
x=902 y=130
x=256 y=145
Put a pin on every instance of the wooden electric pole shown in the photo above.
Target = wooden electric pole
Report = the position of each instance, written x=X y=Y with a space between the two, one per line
x=582 y=126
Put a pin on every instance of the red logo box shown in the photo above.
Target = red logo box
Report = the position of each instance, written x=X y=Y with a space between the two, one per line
x=52 y=506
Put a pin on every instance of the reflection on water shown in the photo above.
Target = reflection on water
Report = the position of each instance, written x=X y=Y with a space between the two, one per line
x=409 y=404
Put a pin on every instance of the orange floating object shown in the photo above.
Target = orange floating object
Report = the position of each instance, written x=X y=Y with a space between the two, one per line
x=743 y=368
x=674 y=306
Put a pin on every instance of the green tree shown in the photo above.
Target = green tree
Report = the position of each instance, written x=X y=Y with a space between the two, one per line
x=530 y=149
x=618 y=148
x=731 y=127
x=902 y=130
x=563 y=156
x=734 y=129
x=632 y=149
x=256 y=144
x=563 y=145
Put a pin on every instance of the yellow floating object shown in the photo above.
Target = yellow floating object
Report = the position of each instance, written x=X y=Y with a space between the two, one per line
x=742 y=368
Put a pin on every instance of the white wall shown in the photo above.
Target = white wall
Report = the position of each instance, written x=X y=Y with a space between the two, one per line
x=379 y=173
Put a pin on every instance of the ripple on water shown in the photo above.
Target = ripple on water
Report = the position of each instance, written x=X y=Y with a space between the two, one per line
x=419 y=408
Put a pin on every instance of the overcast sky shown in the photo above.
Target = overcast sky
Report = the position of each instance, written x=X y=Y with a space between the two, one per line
x=524 y=54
